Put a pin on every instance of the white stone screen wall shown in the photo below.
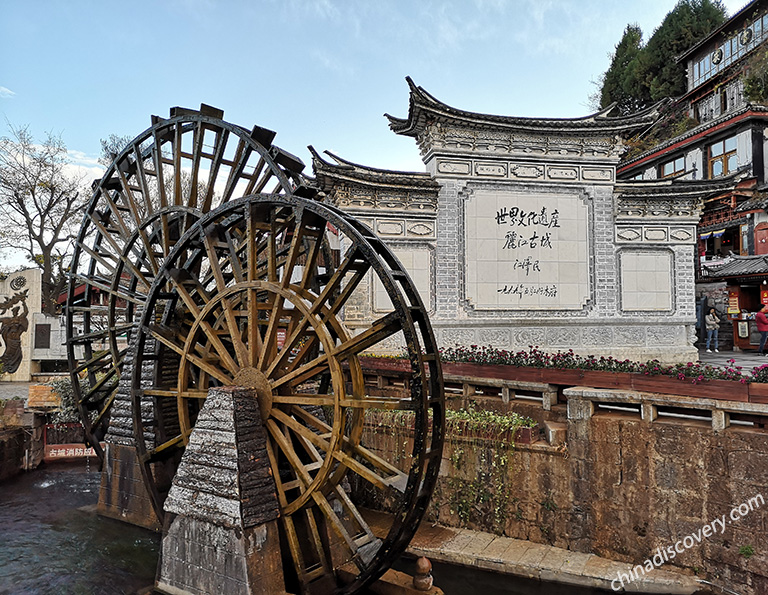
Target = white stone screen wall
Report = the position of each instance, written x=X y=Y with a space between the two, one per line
x=526 y=251
x=646 y=281
x=418 y=264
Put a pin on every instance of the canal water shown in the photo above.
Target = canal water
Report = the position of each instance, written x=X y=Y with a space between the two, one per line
x=53 y=542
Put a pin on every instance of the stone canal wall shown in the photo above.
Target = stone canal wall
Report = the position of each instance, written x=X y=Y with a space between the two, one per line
x=11 y=452
x=615 y=473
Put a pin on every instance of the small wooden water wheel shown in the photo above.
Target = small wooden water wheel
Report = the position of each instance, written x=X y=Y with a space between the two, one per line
x=155 y=189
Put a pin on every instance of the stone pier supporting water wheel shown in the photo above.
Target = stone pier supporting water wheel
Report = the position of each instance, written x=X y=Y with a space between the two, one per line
x=206 y=260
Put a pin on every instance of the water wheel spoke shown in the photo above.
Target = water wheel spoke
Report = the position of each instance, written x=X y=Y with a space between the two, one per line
x=103 y=285
x=255 y=344
x=242 y=154
x=157 y=157
x=106 y=405
x=220 y=143
x=197 y=149
x=99 y=361
x=392 y=476
x=310 y=369
x=173 y=394
x=234 y=330
x=303 y=399
x=379 y=331
x=285 y=446
x=176 y=148
x=233 y=259
x=305 y=573
x=100 y=258
x=137 y=218
x=141 y=178
x=118 y=250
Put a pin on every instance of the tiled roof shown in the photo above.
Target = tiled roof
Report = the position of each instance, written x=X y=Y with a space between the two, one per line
x=742 y=265
x=425 y=108
x=329 y=174
x=748 y=111
x=758 y=202
x=676 y=188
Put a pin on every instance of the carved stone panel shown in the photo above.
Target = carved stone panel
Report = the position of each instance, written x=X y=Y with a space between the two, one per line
x=597 y=336
x=390 y=228
x=530 y=336
x=563 y=337
x=527 y=171
x=421 y=229
x=662 y=335
x=458 y=336
x=629 y=335
x=494 y=337
x=458 y=168
x=498 y=170
x=563 y=173
x=597 y=174
x=656 y=234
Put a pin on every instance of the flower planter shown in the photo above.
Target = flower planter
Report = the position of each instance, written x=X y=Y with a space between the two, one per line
x=758 y=392
x=726 y=390
x=729 y=390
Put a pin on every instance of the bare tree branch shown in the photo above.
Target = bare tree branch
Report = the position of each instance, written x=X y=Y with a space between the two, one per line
x=41 y=206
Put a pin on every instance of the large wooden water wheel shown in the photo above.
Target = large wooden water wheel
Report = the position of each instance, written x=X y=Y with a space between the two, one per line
x=155 y=189
x=243 y=283
x=252 y=295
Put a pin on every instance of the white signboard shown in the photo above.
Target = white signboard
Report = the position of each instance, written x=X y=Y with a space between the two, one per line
x=526 y=251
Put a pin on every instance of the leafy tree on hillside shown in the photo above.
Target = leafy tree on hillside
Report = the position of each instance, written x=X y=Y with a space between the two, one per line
x=683 y=27
x=641 y=75
x=620 y=83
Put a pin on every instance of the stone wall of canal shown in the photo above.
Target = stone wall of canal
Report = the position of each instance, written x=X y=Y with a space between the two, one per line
x=615 y=473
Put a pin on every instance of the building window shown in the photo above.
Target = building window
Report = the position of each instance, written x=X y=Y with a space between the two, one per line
x=722 y=158
x=673 y=168
x=42 y=336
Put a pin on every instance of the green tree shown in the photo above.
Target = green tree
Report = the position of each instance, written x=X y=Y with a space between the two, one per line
x=641 y=75
x=756 y=79
x=41 y=205
x=620 y=83
x=688 y=23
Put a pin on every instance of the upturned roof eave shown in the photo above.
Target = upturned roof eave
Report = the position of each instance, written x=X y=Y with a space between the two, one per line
x=423 y=106
x=362 y=174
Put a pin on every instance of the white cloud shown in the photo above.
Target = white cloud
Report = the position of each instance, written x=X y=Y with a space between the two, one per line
x=6 y=93
x=331 y=63
x=83 y=159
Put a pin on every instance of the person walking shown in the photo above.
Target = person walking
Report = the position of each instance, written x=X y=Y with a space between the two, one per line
x=712 y=323
x=762 y=326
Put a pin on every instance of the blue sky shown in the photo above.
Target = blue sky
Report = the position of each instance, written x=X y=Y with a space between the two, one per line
x=318 y=72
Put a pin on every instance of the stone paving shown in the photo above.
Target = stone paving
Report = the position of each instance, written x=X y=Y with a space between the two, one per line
x=541 y=562
x=745 y=359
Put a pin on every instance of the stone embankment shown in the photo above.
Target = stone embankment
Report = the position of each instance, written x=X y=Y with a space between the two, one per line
x=614 y=473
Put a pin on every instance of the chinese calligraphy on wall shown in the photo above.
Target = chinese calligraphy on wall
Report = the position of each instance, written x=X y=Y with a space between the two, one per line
x=526 y=251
